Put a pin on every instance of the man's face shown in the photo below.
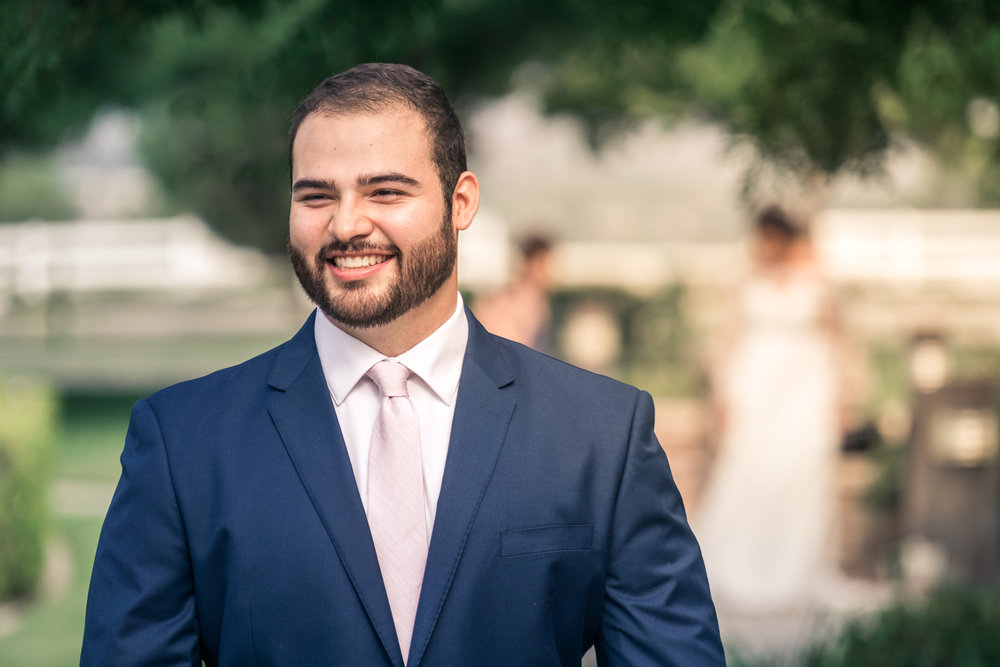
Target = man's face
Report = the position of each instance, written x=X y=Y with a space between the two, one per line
x=370 y=237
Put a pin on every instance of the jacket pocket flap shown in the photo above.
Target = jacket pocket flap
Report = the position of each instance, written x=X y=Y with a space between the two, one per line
x=575 y=537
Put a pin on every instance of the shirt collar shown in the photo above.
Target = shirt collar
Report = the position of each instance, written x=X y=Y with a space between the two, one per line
x=436 y=360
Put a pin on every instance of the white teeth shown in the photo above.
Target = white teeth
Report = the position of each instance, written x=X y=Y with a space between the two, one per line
x=358 y=262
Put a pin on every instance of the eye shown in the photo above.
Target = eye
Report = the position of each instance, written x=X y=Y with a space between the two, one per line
x=314 y=198
x=386 y=194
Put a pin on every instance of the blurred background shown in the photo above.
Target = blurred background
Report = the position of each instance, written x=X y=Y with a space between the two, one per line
x=143 y=217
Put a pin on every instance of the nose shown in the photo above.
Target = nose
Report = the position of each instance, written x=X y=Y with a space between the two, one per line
x=349 y=220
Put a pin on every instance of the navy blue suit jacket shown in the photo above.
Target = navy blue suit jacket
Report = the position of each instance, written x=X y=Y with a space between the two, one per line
x=237 y=536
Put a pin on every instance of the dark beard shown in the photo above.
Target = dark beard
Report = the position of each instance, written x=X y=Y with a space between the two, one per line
x=421 y=272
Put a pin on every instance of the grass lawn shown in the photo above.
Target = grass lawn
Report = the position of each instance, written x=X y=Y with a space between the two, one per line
x=91 y=435
x=49 y=628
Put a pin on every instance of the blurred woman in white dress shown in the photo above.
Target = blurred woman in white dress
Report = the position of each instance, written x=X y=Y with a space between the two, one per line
x=765 y=519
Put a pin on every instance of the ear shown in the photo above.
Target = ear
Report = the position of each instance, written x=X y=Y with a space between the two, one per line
x=465 y=200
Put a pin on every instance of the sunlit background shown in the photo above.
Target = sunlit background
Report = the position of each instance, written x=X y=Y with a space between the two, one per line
x=143 y=213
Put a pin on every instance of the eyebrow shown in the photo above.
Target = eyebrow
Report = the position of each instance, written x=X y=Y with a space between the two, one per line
x=363 y=181
x=313 y=183
x=392 y=177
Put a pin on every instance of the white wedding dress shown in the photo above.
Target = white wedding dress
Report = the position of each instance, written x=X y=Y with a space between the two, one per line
x=765 y=520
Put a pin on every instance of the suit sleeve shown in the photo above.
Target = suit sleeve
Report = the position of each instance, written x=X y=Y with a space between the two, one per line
x=658 y=609
x=140 y=609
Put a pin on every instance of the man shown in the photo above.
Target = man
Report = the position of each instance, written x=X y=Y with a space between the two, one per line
x=263 y=516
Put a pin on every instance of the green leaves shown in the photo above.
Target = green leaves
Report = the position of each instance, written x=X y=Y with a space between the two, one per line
x=818 y=86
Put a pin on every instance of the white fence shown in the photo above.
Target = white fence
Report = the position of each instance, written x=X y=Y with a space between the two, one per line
x=178 y=254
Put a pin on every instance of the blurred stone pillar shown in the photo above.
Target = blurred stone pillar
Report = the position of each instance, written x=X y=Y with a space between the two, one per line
x=951 y=508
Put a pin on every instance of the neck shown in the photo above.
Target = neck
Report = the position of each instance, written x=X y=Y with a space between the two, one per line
x=398 y=336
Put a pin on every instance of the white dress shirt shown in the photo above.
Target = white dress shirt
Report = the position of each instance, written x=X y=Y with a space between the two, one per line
x=436 y=363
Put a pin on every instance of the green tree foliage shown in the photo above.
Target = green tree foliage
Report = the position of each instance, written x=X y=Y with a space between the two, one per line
x=818 y=86
x=26 y=426
x=949 y=89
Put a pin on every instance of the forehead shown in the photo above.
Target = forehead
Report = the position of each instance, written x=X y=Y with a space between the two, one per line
x=394 y=132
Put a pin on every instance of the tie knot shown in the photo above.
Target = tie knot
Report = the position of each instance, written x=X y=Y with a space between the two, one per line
x=390 y=376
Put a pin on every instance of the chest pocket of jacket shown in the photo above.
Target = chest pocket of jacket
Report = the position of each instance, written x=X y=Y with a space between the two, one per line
x=542 y=539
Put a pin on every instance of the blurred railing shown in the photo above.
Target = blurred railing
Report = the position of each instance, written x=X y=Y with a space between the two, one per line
x=167 y=255
x=135 y=303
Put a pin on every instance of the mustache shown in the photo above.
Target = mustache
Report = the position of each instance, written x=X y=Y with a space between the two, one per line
x=356 y=247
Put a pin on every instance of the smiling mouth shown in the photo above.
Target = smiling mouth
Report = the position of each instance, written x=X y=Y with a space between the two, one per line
x=358 y=261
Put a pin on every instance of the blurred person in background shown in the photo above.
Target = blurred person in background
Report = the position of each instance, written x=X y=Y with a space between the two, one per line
x=766 y=517
x=521 y=310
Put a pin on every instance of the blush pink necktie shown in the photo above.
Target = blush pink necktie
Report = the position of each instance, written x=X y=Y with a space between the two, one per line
x=396 y=497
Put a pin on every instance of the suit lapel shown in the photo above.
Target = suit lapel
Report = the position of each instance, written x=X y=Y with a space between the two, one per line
x=482 y=413
x=304 y=416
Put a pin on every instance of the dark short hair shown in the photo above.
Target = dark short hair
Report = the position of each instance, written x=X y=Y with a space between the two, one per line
x=533 y=245
x=375 y=87
x=774 y=218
